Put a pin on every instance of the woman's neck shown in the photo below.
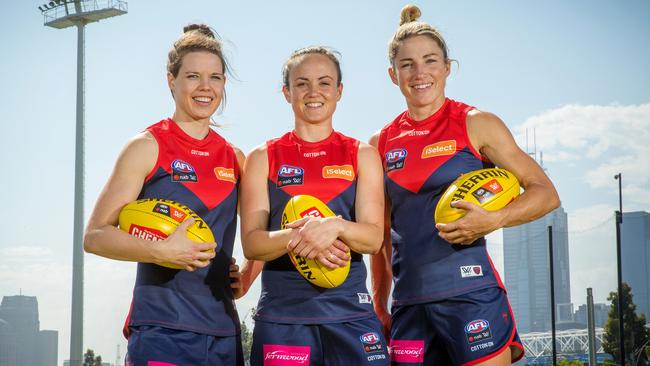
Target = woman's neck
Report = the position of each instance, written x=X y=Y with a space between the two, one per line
x=197 y=129
x=313 y=132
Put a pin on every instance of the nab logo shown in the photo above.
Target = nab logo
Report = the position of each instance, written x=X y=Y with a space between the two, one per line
x=370 y=338
x=395 y=159
x=182 y=166
x=289 y=175
x=477 y=326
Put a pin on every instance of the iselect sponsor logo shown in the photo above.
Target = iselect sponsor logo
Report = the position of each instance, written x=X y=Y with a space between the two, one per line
x=338 y=171
x=447 y=147
x=226 y=174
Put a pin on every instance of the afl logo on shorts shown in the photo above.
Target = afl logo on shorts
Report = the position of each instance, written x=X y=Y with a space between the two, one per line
x=371 y=342
x=478 y=330
x=183 y=172
x=370 y=338
x=289 y=175
x=395 y=159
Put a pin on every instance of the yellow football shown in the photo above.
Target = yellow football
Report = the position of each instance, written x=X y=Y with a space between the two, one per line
x=301 y=206
x=492 y=189
x=155 y=219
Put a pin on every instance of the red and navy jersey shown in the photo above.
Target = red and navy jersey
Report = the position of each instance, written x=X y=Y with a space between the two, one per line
x=420 y=160
x=327 y=170
x=203 y=175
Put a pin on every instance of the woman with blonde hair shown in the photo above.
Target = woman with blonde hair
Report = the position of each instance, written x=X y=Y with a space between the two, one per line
x=449 y=305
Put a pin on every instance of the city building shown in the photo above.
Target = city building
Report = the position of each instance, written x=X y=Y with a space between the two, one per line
x=601 y=313
x=635 y=258
x=22 y=343
x=527 y=271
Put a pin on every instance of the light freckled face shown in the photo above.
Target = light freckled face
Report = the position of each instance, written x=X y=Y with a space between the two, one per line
x=313 y=91
x=199 y=86
x=420 y=70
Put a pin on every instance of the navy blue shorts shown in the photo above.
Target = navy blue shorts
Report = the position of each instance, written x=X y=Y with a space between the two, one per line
x=157 y=346
x=337 y=344
x=463 y=330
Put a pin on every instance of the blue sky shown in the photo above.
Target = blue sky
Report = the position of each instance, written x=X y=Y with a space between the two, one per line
x=576 y=72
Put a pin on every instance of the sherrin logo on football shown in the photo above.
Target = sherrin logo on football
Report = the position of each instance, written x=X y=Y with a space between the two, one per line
x=441 y=148
x=310 y=269
x=492 y=189
x=155 y=219
x=338 y=171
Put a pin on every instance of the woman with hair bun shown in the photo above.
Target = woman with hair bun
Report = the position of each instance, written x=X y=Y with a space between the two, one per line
x=297 y=323
x=180 y=317
x=442 y=313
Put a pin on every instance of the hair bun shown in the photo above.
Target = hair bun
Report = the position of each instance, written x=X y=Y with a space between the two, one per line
x=410 y=13
x=201 y=28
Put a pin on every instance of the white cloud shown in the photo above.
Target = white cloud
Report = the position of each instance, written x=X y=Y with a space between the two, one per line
x=605 y=140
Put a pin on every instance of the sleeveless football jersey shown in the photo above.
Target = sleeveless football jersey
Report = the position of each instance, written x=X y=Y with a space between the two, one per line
x=420 y=160
x=203 y=175
x=327 y=170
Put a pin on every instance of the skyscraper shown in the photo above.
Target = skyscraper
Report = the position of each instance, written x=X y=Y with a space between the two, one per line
x=21 y=341
x=527 y=271
x=22 y=313
x=635 y=257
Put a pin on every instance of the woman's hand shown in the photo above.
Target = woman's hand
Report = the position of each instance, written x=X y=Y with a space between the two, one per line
x=316 y=234
x=177 y=249
x=476 y=223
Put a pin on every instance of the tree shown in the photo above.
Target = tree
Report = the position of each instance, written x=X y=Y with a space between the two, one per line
x=90 y=359
x=635 y=333
x=565 y=362
x=247 y=336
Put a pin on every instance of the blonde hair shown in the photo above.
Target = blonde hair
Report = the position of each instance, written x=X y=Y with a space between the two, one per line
x=409 y=26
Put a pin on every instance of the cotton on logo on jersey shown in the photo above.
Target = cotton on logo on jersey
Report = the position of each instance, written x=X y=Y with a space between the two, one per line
x=225 y=174
x=182 y=171
x=395 y=159
x=281 y=355
x=338 y=171
x=441 y=148
x=471 y=271
x=289 y=175
x=407 y=351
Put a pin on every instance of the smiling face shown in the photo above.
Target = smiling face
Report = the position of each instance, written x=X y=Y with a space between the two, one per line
x=312 y=89
x=420 y=70
x=198 y=88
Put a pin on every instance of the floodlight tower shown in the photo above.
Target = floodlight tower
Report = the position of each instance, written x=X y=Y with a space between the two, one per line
x=63 y=14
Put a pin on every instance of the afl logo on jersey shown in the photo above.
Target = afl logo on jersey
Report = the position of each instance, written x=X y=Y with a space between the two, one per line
x=182 y=171
x=289 y=175
x=395 y=159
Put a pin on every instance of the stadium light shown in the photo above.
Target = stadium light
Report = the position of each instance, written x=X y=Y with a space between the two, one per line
x=621 y=301
x=61 y=14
